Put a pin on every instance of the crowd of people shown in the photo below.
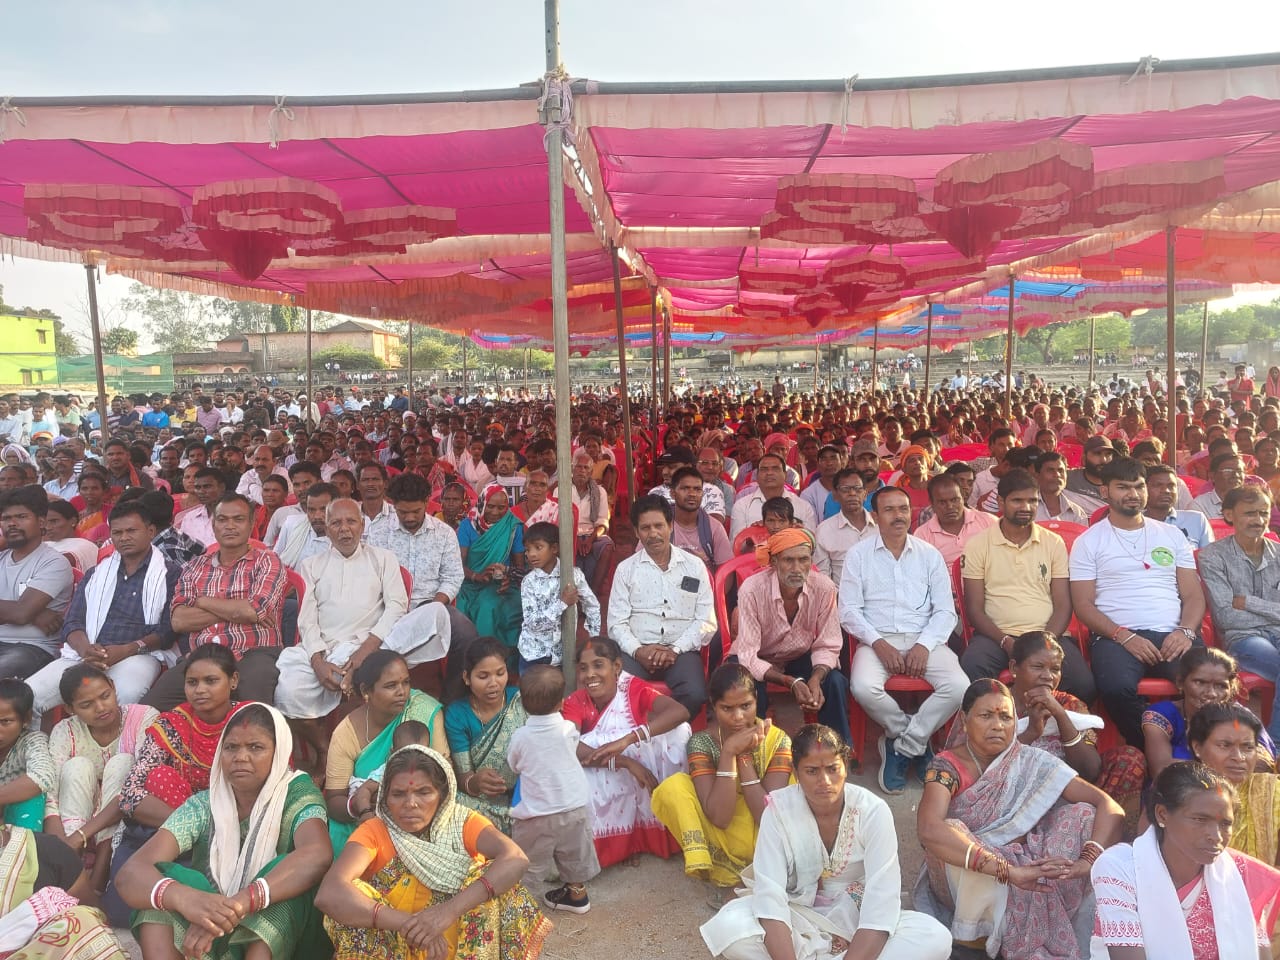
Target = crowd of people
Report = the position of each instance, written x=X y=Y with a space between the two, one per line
x=284 y=676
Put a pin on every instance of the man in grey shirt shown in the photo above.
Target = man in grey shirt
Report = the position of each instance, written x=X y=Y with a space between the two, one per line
x=35 y=585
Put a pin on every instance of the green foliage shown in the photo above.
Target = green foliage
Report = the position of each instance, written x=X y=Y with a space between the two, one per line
x=540 y=360
x=65 y=344
x=178 y=322
x=120 y=340
x=430 y=354
x=349 y=358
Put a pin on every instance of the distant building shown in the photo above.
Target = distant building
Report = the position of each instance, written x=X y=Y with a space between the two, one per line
x=269 y=352
x=28 y=351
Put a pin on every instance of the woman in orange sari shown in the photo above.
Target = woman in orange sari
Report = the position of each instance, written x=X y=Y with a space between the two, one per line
x=94 y=502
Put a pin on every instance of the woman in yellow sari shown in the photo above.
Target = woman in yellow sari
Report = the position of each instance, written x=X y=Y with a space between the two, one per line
x=714 y=810
x=426 y=877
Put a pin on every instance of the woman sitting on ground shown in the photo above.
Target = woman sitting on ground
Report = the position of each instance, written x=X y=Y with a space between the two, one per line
x=714 y=810
x=1179 y=892
x=1009 y=833
x=633 y=738
x=93 y=750
x=426 y=877
x=259 y=847
x=27 y=773
x=825 y=880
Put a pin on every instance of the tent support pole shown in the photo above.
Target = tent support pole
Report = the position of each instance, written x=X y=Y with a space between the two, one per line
x=666 y=359
x=463 y=395
x=96 y=329
x=622 y=371
x=311 y=396
x=928 y=355
x=653 y=389
x=410 y=355
x=1093 y=330
x=1171 y=362
x=1204 y=346
x=526 y=371
x=559 y=325
x=1008 y=357
x=875 y=354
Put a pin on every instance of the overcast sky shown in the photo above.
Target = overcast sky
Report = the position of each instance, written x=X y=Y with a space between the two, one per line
x=156 y=47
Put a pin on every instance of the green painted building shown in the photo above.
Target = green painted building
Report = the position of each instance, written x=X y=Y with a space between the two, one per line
x=28 y=351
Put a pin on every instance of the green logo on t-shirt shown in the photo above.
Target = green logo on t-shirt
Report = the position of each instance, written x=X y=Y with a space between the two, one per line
x=1162 y=556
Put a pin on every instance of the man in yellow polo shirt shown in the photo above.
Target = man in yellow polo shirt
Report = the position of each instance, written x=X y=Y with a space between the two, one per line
x=1016 y=580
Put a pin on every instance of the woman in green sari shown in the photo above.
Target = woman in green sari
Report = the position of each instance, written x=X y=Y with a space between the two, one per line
x=259 y=849
x=479 y=729
x=361 y=743
x=492 y=543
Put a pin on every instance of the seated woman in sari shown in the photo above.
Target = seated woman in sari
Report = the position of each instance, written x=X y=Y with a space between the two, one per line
x=825 y=880
x=1178 y=892
x=175 y=759
x=1009 y=833
x=633 y=738
x=39 y=918
x=428 y=878
x=1205 y=675
x=480 y=728
x=93 y=751
x=361 y=743
x=492 y=541
x=27 y=773
x=1062 y=725
x=258 y=846
x=714 y=810
x=94 y=503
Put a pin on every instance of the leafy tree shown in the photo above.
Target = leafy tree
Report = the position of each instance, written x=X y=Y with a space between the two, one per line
x=178 y=322
x=65 y=344
x=120 y=340
x=430 y=354
x=349 y=358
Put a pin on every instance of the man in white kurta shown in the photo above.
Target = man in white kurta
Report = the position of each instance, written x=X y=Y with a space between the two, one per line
x=354 y=597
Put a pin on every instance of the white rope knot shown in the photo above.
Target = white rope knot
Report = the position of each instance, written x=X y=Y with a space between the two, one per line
x=7 y=108
x=557 y=93
x=844 y=103
x=1146 y=67
x=273 y=121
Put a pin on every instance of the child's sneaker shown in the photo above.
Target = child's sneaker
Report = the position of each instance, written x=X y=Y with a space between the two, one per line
x=561 y=898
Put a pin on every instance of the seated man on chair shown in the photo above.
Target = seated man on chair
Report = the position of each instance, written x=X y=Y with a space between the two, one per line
x=119 y=616
x=1016 y=580
x=234 y=597
x=1134 y=585
x=35 y=585
x=336 y=635
x=661 y=611
x=895 y=599
x=789 y=631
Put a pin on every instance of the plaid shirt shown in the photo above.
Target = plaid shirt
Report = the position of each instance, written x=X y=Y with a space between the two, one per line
x=177 y=547
x=257 y=577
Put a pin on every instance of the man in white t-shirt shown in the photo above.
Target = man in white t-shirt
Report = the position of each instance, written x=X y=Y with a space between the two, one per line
x=1134 y=585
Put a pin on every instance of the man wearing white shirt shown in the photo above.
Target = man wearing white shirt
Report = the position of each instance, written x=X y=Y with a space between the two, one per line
x=371 y=478
x=1226 y=472
x=770 y=482
x=197 y=522
x=306 y=536
x=660 y=608
x=895 y=599
x=264 y=465
x=959 y=381
x=838 y=535
x=64 y=484
x=10 y=424
x=472 y=468
x=231 y=414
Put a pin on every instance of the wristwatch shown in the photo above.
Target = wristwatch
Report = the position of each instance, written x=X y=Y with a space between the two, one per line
x=1190 y=634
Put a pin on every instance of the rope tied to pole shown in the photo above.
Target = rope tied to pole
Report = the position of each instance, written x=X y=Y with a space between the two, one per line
x=7 y=109
x=278 y=112
x=555 y=107
x=845 y=100
x=1146 y=67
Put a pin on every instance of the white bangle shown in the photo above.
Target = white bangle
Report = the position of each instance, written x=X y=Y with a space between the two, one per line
x=1074 y=740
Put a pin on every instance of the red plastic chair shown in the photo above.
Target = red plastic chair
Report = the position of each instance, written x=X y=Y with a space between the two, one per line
x=1067 y=530
x=213 y=547
x=76 y=576
x=1195 y=485
x=106 y=550
x=1221 y=529
x=957 y=592
x=968 y=451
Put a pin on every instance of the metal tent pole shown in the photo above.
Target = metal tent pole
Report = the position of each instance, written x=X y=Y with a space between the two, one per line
x=653 y=390
x=817 y=361
x=553 y=115
x=311 y=397
x=1171 y=296
x=526 y=370
x=410 y=364
x=875 y=354
x=928 y=354
x=95 y=328
x=622 y=371
x=463 y=395
x=666 y=359
x=1093 y=330
x=1008 y=357
x=1204 y=346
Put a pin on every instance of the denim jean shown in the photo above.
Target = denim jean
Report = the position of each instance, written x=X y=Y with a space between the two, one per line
x=1260 y=654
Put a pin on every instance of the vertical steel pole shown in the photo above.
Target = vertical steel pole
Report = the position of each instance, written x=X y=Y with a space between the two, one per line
x=1204 y=346
x=411 y=365
x=464 y=369
x=816 y=363
x=1008 y=357
x=526 y=370
x=311 y=397
x=1171 y=367
x=95 y=328
x=928 y=354
x=666 y=359
x=1093 y=330
x=622 y=371
x=560 y=328
x=653 y=394
x=875 y=354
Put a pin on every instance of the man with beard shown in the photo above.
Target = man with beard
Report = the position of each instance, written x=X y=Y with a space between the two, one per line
x=789 y=632
x=1162 y=494
x=1084 y=483
x=35 y=585
x=895 y=600
x=694 y=529
x=1015 y=581
x=866 y=460
x=1134 y=585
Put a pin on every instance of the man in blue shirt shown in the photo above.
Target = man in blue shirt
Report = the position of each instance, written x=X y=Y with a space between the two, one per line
x=1162 y=494
x=156 y=417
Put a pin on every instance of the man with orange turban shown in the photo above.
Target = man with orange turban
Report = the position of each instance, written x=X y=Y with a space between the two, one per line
x=789 y=630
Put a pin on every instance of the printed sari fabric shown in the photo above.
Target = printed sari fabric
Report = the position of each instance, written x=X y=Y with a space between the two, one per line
x=622 y=818
x=509 y=927
x=175 y=758
x=717 y=854
x=1016 y=809
x=495 y=612
x=289 y=927
x=477 y=745
x=1258 y=818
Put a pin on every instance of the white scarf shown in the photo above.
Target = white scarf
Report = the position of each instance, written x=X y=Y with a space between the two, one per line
x=233 y=864
x=1158 y=905
x=1081 y=721
x=100 y=591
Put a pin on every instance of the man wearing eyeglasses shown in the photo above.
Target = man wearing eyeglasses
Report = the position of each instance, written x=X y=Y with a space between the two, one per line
x=837 y=535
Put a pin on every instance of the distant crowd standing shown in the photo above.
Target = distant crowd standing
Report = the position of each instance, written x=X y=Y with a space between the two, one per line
x=221 y=613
